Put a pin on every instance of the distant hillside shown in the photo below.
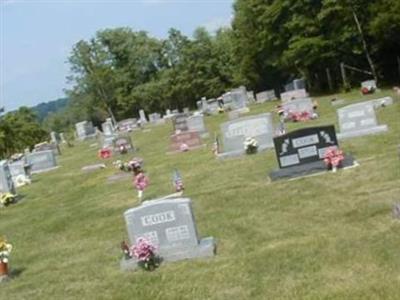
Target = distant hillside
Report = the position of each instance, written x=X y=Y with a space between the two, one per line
x=44 y=109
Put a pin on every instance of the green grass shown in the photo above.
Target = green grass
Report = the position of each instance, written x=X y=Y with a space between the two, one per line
x=330 y=236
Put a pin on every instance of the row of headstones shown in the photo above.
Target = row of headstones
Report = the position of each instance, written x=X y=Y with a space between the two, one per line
x=31 y=163
x=354 y=120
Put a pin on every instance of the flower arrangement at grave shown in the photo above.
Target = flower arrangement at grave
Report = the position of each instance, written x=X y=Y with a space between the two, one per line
x=215 y=147
x=333 y=158
x=250 y=145
x=140 y=180
x=122 y=165
x=144 y=252
x=125 y=250
x=299 y=116
x=6 y=199
x=105 y=153
x=184 y=147
x=367 y=90
x=5 y=251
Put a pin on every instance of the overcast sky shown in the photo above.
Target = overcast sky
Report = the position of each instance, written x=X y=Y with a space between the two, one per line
x=36 y=36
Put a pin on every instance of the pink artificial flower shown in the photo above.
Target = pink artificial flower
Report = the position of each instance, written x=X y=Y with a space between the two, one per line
x=143 y=250
x=141 y=181
x=333 y=157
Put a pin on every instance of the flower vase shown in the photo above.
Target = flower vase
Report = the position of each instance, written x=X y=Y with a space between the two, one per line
x=3 y=269
x=334 y=169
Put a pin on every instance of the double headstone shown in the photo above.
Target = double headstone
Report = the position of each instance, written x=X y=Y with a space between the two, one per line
x=41 y=161
x=169 y=225
x=196 y=123
x=235 y=132
x=6 y=183
x=358 y=120
x=302 y=151
x=298 y=106
x=127 y=125
x=295 y=94
x=85 y=130
x=186 y=140
x=265 y=96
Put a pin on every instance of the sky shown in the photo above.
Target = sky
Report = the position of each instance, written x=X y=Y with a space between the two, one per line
x=36 y=36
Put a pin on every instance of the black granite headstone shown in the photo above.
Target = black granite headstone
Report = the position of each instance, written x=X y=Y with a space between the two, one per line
x=302 y=151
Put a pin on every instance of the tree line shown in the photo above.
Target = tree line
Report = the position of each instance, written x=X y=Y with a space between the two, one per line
x=269 y=43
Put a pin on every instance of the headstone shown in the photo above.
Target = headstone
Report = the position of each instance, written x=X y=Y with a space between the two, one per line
x=156 y=119
x=123 y=141
x=196 y=123
x=142 y=115
x=18 y=168
x=42 y=161
x=298 y=106
x=295 y=94
x=169 y=225
x=299 y=84
x=127 y=125
x=47 y=146
x=234 y=133
x=108 y=128
x=302 y=151
x=369 y=83
x=338 y=102
x=250 y=97
x=186 y=110
x=62 y=138
x=235 y=99
x=85 y=130
x=265 y=96
x=180 y=122
x=6 y=183
x=212 y=107
x=289 y=87
x=381 y=102
x=53 y=137
x=358 y=120
x=191 y=139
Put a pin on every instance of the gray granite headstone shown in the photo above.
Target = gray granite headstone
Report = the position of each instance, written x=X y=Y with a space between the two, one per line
x=381 y=102
x=358 y=120
x=235 y=99
x=298 y=106
x=299 y=84
x=54 y=137
x=369 y=83
x=6 y=183
x=62 y=138
x=234 y=133
x=265 y=96
x=180 y=122
x=196 y=123
x=108 y=128
x=85 y=130
x=142 y=115
x=42 y=161
x=127 y=125
x=295 y=94
x=169 y=225
x=18 y=168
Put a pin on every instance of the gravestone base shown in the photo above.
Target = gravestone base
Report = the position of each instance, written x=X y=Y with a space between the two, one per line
x=92 y=168
x=307 y=169
x=205 y=248
x=231 y=154
x=362 y=132
x=44 y=170
x=190 y=149
x=119 y=177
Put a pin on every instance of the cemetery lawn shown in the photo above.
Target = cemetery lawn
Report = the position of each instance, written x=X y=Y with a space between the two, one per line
x=330 y=236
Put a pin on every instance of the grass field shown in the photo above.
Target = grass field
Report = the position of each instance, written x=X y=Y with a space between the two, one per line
x=330 y=236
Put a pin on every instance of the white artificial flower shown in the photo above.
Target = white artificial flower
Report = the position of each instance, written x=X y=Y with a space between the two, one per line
x=5 y=260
